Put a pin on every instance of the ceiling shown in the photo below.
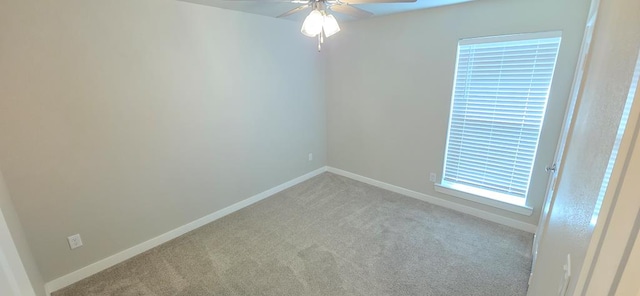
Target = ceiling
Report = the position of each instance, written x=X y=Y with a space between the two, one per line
x=274 y=9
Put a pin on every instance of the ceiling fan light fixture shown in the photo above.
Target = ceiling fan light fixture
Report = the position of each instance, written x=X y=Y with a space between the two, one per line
x=330 y=25
x=312 y=25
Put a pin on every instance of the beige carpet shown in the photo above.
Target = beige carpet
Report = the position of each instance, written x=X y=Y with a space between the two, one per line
x=329 y=236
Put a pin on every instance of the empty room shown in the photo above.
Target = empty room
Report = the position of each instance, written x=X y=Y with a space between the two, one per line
x=319 y=147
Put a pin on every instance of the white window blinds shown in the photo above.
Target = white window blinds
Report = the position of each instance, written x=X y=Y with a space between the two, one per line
x=499 y=100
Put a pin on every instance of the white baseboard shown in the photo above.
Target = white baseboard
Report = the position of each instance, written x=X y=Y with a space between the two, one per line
x=439 y=201
x=110 y=261
x=105 y=263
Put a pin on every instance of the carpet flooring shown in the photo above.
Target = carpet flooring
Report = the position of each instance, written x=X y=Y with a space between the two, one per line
x=329 y=235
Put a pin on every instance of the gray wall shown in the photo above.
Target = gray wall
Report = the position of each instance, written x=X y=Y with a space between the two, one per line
x=19 y=239
x=389 y=84
x=121 y=120
x=610 y=66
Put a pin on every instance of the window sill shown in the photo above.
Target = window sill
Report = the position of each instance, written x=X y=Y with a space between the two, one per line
x=515 y=208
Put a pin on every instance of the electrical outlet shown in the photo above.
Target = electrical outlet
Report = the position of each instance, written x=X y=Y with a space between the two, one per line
x=432 y=177
x=74 y=241
x=310 y=156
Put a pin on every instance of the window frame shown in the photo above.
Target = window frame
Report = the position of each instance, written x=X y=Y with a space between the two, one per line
x=484 y=196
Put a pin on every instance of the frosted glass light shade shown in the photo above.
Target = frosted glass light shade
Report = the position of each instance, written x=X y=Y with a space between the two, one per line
x=312 y=25
x=330 y=25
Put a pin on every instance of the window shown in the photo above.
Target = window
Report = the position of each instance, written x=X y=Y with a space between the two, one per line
x=499 y=100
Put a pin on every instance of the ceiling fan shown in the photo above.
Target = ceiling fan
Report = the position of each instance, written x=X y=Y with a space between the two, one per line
x=319 y=23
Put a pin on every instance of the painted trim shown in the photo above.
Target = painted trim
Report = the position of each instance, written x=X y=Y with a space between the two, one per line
x=612 y=227
x=512 y=37
x=112 y=260
x=438 y=201
x=11 y=264
x=514 y=208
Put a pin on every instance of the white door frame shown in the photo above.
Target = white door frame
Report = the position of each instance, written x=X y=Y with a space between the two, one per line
x=11 y=265
x=615 y=238
x=578 y=79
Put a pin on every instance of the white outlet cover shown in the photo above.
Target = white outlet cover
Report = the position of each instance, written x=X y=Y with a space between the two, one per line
x=74 y=241
x=432 y=177
x=310 y=156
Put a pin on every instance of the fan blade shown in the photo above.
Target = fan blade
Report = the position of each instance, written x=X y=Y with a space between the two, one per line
x=350 y=10
x=213 y=2
x=264 y=1
x=271 y=1
x=376 y=1
x=292 y=11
